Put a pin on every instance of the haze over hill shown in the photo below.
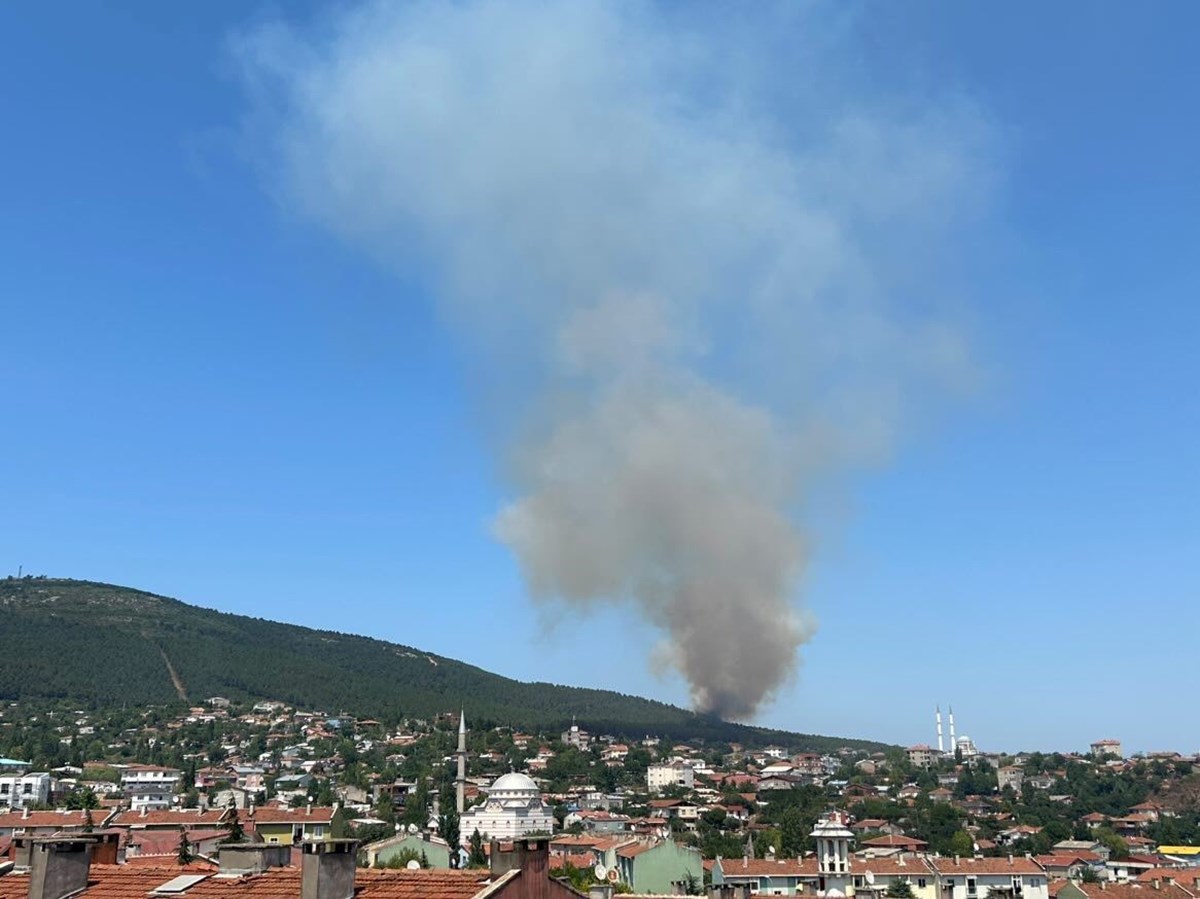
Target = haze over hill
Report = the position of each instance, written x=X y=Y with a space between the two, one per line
x=101 y=644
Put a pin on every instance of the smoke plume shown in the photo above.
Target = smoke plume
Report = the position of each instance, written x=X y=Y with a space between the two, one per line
x=702 y=262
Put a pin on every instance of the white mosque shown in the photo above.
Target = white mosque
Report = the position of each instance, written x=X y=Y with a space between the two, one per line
x=513 y=808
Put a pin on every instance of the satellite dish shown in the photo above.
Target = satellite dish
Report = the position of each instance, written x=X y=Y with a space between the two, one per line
x=600 y=871
x=869 y=877
x=612 y=875
x=412 y=828
x=413 y=865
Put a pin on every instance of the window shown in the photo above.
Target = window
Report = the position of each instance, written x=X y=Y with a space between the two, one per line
x=4 y=789
x=970 y=886
x=1016 y=883
x=921 y=883
x=28 y=789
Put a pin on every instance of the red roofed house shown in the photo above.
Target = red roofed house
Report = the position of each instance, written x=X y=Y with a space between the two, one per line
x=978 y=878
x=24 y=822
x=286 y=826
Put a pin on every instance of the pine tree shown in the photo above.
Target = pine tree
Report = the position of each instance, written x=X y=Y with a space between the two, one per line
x=448 y=831
x=185 y=855
x=233 y=827
x=478 y=858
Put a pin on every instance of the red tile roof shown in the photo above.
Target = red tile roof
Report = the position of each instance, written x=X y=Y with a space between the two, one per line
x=769 y=867
x=315 y=815
x=897 y=840
x=136 y=882
x=1132 y=891
x=1012 y=865
x=891 y=866
x=182 y=817
x=55 y=819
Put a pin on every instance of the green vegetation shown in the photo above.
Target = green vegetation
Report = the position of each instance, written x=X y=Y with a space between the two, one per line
x=68 y=631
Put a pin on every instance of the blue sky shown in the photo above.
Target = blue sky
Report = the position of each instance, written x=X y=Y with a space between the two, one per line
x=213 y=396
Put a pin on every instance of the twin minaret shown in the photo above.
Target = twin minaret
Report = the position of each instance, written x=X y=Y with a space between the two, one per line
x=460 y=782
x=953 y=741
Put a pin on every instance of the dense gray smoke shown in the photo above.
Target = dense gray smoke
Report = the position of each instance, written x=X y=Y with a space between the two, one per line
x=705 y=274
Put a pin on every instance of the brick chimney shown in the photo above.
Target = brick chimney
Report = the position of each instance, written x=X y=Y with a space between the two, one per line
x=58 y=867
x=529 y=855
x=327 y=869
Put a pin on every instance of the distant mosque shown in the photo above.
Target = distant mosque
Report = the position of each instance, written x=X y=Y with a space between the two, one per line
x=513 y=808
x=963 y=745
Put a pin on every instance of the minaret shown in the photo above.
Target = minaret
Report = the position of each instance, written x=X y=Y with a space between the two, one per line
x=833 y=851
x=941 y=748
x=460 y=782
x=953 y=742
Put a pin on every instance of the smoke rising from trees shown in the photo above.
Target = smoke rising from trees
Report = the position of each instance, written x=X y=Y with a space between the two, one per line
x=705 y=261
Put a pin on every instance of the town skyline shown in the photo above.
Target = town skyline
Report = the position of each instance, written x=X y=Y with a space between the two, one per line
x=860 y=339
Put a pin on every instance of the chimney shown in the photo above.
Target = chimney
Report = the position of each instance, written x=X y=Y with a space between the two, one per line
x=1156 y=883
x=956 y=861
x=1010 y=859
x=327 y=869
x=252 y=858
x=58 y=867
x=25 y=813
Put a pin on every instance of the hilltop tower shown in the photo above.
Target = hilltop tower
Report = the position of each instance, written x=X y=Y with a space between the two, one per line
x=460 y=781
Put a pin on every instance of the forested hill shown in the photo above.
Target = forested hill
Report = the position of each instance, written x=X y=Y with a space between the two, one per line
x=102 y=645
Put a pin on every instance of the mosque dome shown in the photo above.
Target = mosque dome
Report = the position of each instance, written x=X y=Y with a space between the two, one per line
x=513 y=783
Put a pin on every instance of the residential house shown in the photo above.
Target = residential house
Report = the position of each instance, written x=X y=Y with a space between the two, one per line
x=150 y=786
x=1011 y=835
x=1063 y=847
x=429 y=848
x=173 y=820
x=677 y=809
x=660 y=777
x=659 y=867
x=23 y=790
x=1014 y=877
x=922 y=756
x=767 y=876
x=893 y=842
x=26 y=822
x=1010 y=776
x=1063 y=867
x=290 y=826
x=1103 y=748
x=872 y=878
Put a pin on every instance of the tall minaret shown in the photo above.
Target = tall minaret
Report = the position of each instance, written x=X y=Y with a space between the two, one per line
x=460 y=782
x=941 y=748
x=953 y=742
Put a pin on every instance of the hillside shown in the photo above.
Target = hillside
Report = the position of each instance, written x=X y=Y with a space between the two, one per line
x=103 y=645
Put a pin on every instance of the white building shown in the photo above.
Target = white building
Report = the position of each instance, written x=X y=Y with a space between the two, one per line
x=513 y=808
x=999 y=878
x=577 y=737
x=150 y=787
x=660 y=777
x=21 y=790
